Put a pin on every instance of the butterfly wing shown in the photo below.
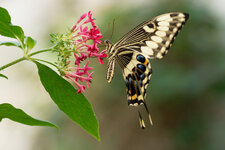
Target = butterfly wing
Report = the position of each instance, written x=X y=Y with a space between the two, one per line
x=154 y=37
x=137 y=73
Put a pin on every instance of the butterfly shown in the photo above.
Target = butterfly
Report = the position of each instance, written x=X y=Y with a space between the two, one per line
x=151 y=39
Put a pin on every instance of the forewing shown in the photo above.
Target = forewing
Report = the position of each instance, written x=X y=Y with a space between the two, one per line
x=154 y=37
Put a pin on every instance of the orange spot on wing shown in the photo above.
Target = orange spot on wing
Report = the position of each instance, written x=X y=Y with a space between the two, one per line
x=146 y=62
x=134 y=96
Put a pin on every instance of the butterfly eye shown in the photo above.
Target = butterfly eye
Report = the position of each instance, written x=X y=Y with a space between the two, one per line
x=106 y=41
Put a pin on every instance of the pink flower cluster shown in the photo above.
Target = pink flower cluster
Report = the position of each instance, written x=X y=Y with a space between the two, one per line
x=86 y=37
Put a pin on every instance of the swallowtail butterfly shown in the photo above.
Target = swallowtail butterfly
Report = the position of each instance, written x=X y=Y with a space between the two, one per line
x=149 y=40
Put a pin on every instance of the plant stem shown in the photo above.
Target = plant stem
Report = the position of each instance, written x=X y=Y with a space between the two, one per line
x=26 y=58
x=12 y=63
x=45 y=62
x=41 y=51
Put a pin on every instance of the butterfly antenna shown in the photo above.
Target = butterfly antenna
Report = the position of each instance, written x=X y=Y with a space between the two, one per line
x=112 y=29
x=149 y=116
x=142 y=123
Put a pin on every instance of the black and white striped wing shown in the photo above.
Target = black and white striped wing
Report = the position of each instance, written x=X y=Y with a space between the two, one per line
x=154 y=37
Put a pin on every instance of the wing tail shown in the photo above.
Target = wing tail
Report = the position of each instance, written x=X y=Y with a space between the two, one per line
x=141 y=120
x=142 y=123
x=149 y=115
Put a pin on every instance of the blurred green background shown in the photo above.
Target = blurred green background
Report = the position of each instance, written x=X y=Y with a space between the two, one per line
x=186 y=94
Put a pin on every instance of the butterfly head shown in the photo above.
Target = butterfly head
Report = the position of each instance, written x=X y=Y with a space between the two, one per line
x=108 y=47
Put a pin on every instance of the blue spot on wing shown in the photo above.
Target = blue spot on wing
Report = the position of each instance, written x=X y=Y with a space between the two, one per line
x=140 y=58
x=141 y=67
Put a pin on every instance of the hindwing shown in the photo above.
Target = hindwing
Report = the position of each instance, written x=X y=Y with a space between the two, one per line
x=137 y=72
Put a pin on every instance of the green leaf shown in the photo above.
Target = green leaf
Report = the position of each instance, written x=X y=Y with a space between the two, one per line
x=76 y=106
x=2 y=75
x=11 y=31
x=17 y=44
x=30 y=43
x=4 y=16
x=12 y=113
x=7 y=29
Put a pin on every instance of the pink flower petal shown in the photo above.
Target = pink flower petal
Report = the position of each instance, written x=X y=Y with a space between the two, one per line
x=86 y=38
